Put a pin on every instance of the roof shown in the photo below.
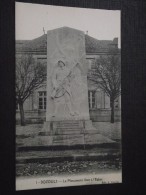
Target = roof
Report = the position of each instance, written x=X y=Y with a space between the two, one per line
x=94 y=45
x=40 y=44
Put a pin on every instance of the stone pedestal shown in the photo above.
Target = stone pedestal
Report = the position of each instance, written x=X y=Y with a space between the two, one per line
x=69 y=133
x=68 y=127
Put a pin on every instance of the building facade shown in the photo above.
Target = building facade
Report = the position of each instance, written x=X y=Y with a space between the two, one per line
x=99 y=102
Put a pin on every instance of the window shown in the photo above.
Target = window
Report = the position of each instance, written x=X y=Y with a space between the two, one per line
x=42 y=100
x=17 y=106
x=91 y=63
x=91 y=99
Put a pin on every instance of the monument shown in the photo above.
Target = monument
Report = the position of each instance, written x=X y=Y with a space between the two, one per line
x=67 y=115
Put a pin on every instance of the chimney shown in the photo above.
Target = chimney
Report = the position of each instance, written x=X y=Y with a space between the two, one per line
x=114 y=43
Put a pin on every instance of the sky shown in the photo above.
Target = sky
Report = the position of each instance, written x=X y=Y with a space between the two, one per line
x=32 y=18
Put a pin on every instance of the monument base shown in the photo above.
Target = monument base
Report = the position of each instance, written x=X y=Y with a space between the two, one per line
x=68 y=127
x=70 y=133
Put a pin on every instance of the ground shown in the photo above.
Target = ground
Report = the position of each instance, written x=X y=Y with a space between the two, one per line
x=56 y=162
x=111 y=130
x=67 y=168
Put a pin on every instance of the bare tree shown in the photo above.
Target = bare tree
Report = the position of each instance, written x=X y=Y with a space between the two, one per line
x=107 y=75
x=30 y=75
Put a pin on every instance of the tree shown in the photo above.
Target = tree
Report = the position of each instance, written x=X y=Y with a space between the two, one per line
x=107 y=75
x=30 y=75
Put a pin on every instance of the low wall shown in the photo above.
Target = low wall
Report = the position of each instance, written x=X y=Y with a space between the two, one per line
x=104 y=115
x=100 y=115
x=32 y=116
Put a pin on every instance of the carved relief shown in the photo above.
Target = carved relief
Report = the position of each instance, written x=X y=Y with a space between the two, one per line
x=67 y=82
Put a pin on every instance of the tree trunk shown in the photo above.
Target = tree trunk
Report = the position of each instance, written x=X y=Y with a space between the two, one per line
x=112 y=111
x=22 y=119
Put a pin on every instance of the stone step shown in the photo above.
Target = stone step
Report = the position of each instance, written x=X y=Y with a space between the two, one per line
x=68 y=122
x=67 y=125
x=68 y=139
x=59 y=137
x=67 y=132
x=69 y=128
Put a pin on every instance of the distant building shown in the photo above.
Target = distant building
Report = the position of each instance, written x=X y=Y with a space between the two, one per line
x=99 y=103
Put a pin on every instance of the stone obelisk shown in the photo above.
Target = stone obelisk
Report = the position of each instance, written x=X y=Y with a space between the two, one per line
x=67 y=93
